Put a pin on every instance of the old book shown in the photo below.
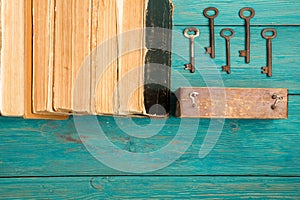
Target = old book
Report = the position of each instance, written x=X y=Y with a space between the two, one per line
x=132 y=48
x=94 y=57
x=71 y=51
x=157 y=69
x=30 y=77
x=0 y=55
x=129 y=77
x=60 y=47
x=104 y=57
x=12 y=57
x=119 y=58
x=43 y=58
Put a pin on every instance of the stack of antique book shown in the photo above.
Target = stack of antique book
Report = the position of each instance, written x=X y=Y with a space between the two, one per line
x=80 y=57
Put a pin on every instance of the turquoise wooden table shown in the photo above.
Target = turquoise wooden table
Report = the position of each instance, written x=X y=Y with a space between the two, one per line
x=251 y=158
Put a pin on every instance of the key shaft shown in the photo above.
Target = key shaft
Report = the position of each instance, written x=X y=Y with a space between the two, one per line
x=246 y=53
x=192 y=54
x=211 y=49
x=227 y=37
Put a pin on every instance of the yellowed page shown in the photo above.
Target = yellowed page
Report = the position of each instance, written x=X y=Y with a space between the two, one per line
x=104 y=64
x=12 y=57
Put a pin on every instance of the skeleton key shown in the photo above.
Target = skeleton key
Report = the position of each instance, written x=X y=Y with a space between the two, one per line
x=268 y=69
x=246 y=53
x=187 y=31
x=211 y=49
x=227 y=38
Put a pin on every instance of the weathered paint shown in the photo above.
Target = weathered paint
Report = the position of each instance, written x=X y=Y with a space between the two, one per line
x=283 y=12
x=150 y=187
x=252 y=158
x=245 y=147
x=286 y=70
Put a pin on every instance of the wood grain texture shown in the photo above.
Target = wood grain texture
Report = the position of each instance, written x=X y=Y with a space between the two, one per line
x=232 y=103
x=252 y=158
x=245 y=147
x=145 y=187
x=283 y=12
x=12 y=57
x=209 y=73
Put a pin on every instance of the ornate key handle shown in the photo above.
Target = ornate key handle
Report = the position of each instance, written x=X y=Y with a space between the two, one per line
x=266 y=30
x=187 y=32
x=252 y=13
x=191 y=33
x=227 y=36
x=205 y=12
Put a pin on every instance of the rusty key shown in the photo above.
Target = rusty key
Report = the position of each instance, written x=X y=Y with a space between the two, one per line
x=268 y=69
x=191 y=34
x=211 y=49
x=227 y=33
x=246 y=53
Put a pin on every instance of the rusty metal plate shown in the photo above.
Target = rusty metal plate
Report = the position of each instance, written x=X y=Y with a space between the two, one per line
x=234 y=103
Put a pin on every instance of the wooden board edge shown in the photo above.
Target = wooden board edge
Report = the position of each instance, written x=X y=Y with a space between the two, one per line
x=178 y=109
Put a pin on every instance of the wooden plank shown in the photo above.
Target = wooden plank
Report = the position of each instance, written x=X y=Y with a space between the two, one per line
x=142 y=187
x=286 y=72
x=232 y=103
x=245 y=147
x=13 y=57
x=284 y=12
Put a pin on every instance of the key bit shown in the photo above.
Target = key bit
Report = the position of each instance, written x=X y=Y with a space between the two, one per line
x=246 y=53
x=227 y=33
x=211 y=49
x=191 y=34
x=268 y=69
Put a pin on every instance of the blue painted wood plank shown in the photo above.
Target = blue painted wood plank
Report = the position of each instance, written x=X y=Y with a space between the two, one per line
x=283 y=12
x=150 y=187
x=286 y=70
x=51 y=148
